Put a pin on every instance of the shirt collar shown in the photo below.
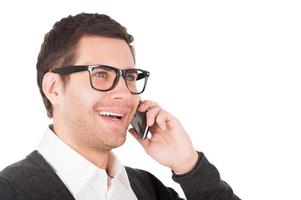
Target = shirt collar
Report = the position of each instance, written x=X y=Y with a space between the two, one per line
x=75 y=170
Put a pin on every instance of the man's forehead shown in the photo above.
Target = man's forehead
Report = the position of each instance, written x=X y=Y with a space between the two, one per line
x=103 y=50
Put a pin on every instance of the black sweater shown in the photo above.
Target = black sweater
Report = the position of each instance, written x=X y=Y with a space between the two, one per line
x=33 y=179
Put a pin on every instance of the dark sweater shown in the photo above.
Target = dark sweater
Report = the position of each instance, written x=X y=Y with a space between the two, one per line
x=34 y=179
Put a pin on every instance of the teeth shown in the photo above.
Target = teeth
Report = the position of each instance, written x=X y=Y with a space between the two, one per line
x=105 y=113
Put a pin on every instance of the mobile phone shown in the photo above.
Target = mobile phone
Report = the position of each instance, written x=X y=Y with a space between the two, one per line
x=139 y=124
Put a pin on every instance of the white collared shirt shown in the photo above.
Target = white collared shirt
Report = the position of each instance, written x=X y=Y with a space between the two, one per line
x=85 y=180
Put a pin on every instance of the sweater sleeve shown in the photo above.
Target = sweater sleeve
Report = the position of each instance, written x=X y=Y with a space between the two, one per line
x=203 y=182
x=7 y=192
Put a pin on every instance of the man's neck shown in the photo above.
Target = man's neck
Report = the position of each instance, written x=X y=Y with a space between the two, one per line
x=99 y=157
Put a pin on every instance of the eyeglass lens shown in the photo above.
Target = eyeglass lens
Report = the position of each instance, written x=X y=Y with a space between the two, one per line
x=103 y=78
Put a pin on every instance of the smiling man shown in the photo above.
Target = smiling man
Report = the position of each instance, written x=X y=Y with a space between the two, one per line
x=90 y=87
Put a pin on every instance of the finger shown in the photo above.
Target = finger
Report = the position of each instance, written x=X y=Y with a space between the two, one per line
x=144 y=143
x=145 y=105
x=151 y=115
x=161 y=119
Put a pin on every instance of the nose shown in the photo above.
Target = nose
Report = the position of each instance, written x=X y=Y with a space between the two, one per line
x=121 y=91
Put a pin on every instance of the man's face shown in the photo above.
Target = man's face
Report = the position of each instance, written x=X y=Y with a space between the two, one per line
x=80 y=106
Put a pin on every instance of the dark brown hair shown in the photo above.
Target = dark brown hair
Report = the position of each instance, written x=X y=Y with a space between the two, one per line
x=59 y=46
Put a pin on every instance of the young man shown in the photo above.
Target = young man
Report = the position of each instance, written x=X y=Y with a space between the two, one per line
x=90 y=88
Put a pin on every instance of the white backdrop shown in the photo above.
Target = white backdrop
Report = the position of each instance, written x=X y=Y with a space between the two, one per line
x=229 y=70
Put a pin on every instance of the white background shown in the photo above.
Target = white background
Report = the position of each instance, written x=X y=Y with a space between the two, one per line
x=229 y=70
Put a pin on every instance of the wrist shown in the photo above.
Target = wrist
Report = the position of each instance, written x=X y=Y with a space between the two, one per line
x=187 y=165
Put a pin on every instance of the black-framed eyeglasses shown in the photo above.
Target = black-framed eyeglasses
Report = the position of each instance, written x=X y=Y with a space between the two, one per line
x=104 y=78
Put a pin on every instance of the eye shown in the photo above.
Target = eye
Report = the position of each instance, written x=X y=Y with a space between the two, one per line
x=131 y=77
x=101 y=74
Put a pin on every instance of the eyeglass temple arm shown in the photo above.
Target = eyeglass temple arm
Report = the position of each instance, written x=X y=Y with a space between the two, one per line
x=142 y=75
x=70 y=70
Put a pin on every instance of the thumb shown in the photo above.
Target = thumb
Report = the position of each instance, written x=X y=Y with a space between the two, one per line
x=144 y=143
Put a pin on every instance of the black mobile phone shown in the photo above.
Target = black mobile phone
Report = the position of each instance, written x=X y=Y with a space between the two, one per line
x=139 y=124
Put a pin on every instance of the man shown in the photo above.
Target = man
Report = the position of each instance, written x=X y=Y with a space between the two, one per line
x=91 y=89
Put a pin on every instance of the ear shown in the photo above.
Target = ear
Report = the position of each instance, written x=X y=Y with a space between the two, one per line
x=52 y=87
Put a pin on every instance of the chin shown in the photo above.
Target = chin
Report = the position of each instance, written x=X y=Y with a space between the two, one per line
x=116 y=143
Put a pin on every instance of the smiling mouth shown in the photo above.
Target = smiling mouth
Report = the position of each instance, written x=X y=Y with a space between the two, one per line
x=110 y=115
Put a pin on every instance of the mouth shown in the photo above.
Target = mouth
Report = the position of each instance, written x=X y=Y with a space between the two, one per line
x=112 y=115
x=114 y=118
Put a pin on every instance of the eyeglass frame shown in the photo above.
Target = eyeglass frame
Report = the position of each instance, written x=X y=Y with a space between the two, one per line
x=66 y=70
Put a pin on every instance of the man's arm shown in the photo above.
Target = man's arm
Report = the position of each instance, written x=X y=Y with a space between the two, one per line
x=171 y=146
x=203 y=182
x=7 y=192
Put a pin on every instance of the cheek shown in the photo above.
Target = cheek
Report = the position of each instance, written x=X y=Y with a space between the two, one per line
x=77 y=100
x=85 y=102
x=135 y=105
x=71 y=105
